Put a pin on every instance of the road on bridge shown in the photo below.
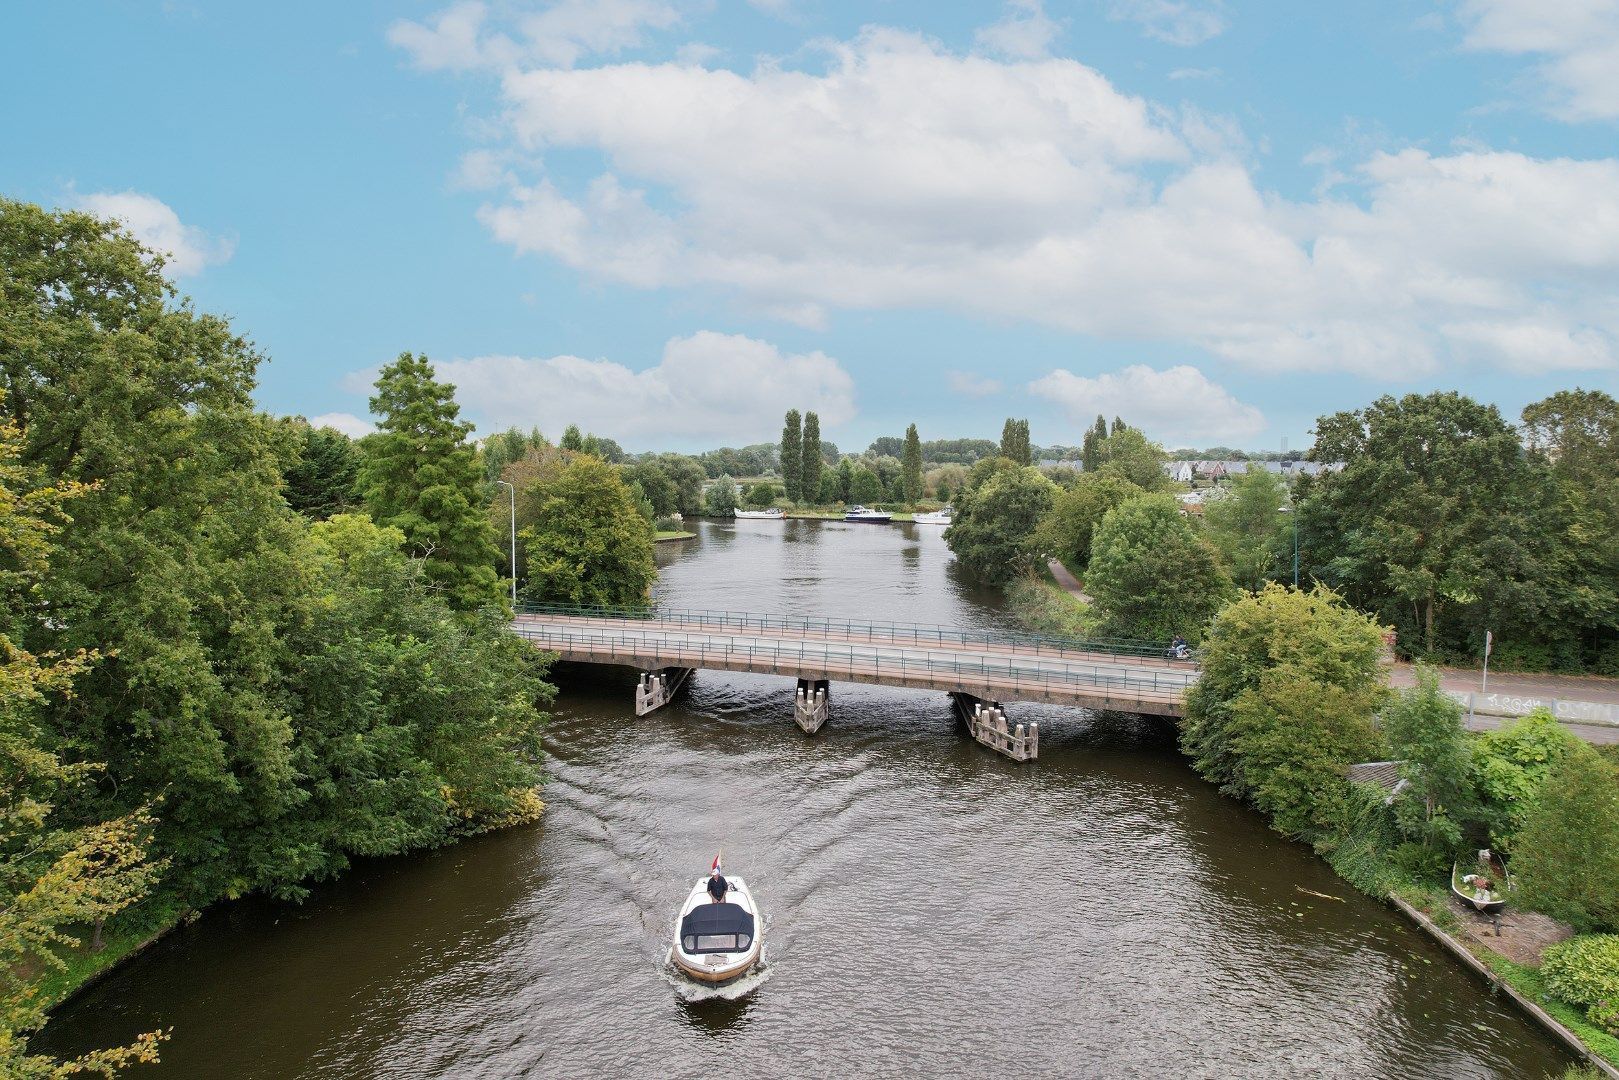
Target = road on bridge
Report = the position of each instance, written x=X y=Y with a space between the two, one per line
x=994 y=666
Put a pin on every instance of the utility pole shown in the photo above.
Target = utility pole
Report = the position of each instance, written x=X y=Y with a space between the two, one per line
x=513 y=490
x=1484 y=679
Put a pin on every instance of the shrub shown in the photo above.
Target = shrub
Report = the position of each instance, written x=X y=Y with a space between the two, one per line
x=1510 y=766
x=1585 y=971
x=1568 y=852
x=667 y=524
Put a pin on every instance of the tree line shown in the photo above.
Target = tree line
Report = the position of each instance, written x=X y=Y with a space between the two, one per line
x=233 y=655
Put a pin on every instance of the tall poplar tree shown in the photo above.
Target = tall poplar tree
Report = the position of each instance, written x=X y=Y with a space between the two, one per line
x=792 y=456
x=912 y=473
x=1009 y=439
x=421 y=476
x=813 y=462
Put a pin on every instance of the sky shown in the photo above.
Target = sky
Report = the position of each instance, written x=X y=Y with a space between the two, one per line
x=669 y=221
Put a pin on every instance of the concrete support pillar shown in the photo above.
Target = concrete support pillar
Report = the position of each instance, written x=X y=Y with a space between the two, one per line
x=986 y=723
x=656 y=688
x=812 y=704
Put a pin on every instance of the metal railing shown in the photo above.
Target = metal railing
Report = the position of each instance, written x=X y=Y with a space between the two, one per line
x=915 y=633
x=1050 y=677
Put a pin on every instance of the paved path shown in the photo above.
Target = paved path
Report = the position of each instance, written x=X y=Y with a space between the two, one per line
x=1068 y=581
x=1568 y=687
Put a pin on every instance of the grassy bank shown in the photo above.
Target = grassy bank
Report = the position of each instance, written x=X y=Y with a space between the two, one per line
x=126 y=935
x=668 y=537
x=1044 y=607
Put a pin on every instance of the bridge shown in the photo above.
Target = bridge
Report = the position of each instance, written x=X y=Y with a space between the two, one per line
x=980 y=668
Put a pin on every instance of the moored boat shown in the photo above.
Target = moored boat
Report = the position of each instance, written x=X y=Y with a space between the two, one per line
x=774 y=513
x=1481 y=882
x=937 y=517
x=861 y=513
x=718 y=941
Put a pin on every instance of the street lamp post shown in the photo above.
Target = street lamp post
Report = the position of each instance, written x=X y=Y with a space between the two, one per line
x=513 y=491
x=1290 y=512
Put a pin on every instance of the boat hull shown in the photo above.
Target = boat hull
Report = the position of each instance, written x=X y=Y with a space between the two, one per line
x=718 y=968
x=714 y=976
x=1498 y=872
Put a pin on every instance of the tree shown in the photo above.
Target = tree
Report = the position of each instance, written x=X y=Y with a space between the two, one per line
x=573 y=440
x=1127 y=454
x=1284 y=705
x=1425 y=734
x=322 y=471
x=792 y=456
x=53 y=875
x=1435 y=521
x=1245 y=526
x=588 y=545
x=421 y=477
x=814 y=463
x=1095 y=436
x=761 y=494
x=688 y=478
x=1510 y=767
x=1152 y=575
x=656 y=484
x=912 y=477
x=865 y=486
x=830 y=491
x=1015 y=442
x=1009 y=440
x=887 y=446
x=505 y=447
x=720 y=501
x=1574 y=434
x=993 y=531
x=1067 y=530
x=1567 y=857
x=845 y=480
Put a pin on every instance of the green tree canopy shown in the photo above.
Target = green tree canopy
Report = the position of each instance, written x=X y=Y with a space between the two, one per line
x=322 y=470
x=814 y=463
x=1076 y=511
x=422 y=477
x=993 y=533
x=1435 y=521
x=1510 y=767
x=1245 y=526
x=792 y=455
x=912 y=475
x=1284 y=705
x=1425 y=734
x=865 y=486
x=588 y=545
x=1129 y=455
x=1151 y=574
x=720 y=502
x=1567 y=856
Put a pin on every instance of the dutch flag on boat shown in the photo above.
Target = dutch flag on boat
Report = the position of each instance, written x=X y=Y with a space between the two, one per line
x=716 y=867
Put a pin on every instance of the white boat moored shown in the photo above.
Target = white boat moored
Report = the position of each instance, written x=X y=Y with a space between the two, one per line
x=937 y=517
x=861 y=513
x=775 y=513
x=718 y=942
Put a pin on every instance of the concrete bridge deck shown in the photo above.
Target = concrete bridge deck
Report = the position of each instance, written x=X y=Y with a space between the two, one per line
x=991 y=665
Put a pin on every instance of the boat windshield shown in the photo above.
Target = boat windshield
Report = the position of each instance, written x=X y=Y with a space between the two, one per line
x=716 y=928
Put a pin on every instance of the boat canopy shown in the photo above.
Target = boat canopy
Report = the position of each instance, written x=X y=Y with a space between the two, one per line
x=716 y=928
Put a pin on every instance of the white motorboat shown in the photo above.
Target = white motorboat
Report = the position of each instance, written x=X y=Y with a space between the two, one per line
x=717 y=942
x=861 y=513
x=937 y=517
x=775 y=513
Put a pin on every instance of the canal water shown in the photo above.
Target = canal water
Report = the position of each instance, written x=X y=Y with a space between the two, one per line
x=931 y=909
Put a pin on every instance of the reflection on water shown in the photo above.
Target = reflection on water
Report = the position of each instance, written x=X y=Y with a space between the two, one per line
x=932 y=909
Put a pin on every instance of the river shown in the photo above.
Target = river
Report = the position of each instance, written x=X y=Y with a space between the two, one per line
x=931 y=908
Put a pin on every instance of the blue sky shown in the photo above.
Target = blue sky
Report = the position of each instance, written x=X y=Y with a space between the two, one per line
x=670 y=220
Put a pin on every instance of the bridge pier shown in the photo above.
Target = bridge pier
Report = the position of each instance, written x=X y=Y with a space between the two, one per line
x=812 y=704
x=656 y=688
x=986 y=723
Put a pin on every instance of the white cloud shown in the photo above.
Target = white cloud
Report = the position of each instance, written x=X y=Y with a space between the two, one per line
x=1179 y=404
x=1177 y=22
x=1579 y=40
x=907 y=176
x=1194 y=73
x=964 y=382
x=1025 y=32
x=186 y=249
x=705 y=385
x=562 y=33
x=347 y=423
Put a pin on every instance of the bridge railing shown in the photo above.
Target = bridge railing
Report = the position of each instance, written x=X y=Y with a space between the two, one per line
x=831 y=659
x=916 y=633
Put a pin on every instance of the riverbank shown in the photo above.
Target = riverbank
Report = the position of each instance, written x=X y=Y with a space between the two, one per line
x=672 y=537
x=1518 y=978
